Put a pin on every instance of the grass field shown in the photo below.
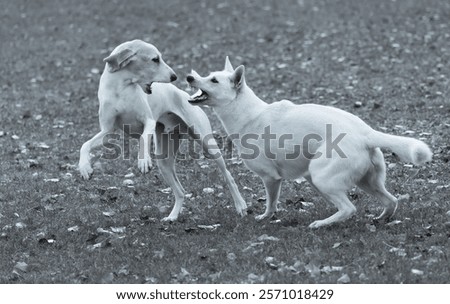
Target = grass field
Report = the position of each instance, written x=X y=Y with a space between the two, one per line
x=385 y=61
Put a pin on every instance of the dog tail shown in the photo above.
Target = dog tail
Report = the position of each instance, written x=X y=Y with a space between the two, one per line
x=408 y=149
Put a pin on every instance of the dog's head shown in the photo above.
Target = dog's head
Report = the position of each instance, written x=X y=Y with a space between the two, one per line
x=141 y=62
x=218 y=88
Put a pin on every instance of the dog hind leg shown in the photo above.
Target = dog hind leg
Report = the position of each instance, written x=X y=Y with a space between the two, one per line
x=203 y=132
x=373 y=183
x=239 y=203
x=166 y=149
x=332 y=178
x=345 y=209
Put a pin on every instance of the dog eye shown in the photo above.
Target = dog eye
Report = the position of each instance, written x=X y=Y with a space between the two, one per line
x=214 y=80
x=156 y=59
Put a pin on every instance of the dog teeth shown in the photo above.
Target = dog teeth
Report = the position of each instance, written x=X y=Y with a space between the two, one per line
x=197 y=94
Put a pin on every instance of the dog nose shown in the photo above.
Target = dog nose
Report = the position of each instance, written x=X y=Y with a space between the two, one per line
x=190 y=78
x=173 y=77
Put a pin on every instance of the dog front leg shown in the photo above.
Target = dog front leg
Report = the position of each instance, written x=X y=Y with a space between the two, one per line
x=273 y=187
x=144 y=158
x=84 y=164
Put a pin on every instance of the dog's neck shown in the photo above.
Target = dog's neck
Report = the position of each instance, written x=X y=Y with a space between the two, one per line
x=243 y=109
x=114 y=82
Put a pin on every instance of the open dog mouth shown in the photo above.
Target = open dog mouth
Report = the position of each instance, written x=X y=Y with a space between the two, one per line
x=148 y=88
x=198 y=97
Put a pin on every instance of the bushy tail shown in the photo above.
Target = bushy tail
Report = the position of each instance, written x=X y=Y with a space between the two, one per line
x=408 y=149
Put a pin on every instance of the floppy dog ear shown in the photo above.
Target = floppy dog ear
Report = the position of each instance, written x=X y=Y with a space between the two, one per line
x=119 y=60
x=228 y=67
x=238 y=77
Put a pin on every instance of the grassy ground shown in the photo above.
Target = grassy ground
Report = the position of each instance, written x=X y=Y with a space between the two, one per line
x=392 y=56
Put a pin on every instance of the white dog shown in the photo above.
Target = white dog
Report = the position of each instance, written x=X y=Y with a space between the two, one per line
x=130 y=103
x=290 y=141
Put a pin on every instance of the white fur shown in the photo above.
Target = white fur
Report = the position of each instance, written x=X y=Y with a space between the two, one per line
x=123 y=102
x=242 y=112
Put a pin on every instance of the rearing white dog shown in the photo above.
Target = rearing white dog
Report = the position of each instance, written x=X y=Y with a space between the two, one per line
x=287 y=141
x=130 y=102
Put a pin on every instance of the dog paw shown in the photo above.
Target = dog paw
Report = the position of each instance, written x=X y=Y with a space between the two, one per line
x=382 y=217
x=241 y=208
x=263 y=216
x=169 y=219
x=242 y=212
x=86 y=171
x=316 y=224
x=145 y=164
x=386 y=215
x=260 y=217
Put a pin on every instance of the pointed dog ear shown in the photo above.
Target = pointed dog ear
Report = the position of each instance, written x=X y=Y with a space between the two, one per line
x=228 y=67
x=119 y=60
x=239 y=77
